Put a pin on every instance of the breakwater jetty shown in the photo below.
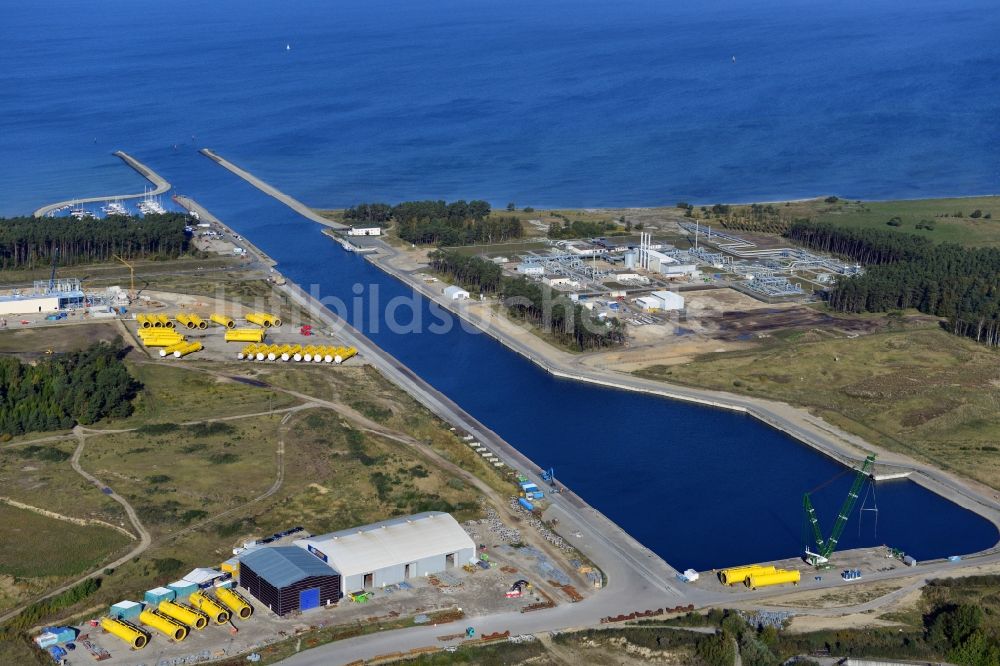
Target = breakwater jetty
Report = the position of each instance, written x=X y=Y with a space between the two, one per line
x=160 y=185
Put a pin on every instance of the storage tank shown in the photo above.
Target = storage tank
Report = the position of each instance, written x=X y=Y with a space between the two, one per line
x=165 y=625
x=631 y=259
x=737 y=575
x=129 y=633
x=779 y=577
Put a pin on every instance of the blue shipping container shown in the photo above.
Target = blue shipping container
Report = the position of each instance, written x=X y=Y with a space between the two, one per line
x=526 y=504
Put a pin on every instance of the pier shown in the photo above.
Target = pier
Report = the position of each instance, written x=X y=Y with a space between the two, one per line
x=270 y=190
x=160 y=186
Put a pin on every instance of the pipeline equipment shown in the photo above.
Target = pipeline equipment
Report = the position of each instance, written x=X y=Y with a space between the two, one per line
x=165 y=625
x=194 y=321
x=245 y=335
x=145 y=321
x=164 y=321
x=126 y=631
x=263 y=319
x=234 y=601
x=223 y=320
x=248 y=350
x=189 y=616
x=292 y=351
x=210 y=607
x=162 y=342
x=779 y=577
x=190 y=348
x=736 y=575
x=167 y=351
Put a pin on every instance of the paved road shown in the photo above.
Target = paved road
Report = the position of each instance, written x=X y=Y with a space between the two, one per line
x=160 y=186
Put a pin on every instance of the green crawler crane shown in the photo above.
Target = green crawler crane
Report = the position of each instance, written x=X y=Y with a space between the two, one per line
x=825 y=547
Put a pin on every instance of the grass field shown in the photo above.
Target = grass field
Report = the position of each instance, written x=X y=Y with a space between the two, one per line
x=34 y=341
x=40 y=475
x=39 y=546
x=922 y=392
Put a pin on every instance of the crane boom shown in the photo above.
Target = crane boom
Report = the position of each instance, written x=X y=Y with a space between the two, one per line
x=825 y=547
x=131 y=270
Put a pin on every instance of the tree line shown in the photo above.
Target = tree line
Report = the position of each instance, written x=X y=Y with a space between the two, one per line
x=29 y=242
x=59 y=392
x=471 y=272
x=959 y=284
x=553 y=312
x=440 y=223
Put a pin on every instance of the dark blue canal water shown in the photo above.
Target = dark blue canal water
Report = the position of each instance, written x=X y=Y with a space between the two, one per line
x=699 y=486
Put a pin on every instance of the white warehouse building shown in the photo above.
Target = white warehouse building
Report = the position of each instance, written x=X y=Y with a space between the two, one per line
x=393 y=551
x=661 y=301
x=454 y=293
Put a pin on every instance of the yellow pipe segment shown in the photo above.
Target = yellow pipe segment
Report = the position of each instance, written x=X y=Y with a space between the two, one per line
x=234 y=602
x=736 y=575
x=132 y=635
x=144 y=321
x=210 y=607
x=189 y=616
x=223 y=320
x=247 y=352
x=164 y=321
x=167 y=351
x=245 y=335
x=161 y=342
x=197 y=322
x=165 y=625
x=184 y=320
x=191 y=348
x=259 y=319
x=779 y=577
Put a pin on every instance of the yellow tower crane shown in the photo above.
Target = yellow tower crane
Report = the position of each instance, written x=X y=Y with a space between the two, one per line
x=131 y=270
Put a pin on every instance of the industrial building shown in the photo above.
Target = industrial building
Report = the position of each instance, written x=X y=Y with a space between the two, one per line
x=286 y=579
x=454 y=293
x=364 y=231
x=45 y=296
x=536 y=270
x=392 y=551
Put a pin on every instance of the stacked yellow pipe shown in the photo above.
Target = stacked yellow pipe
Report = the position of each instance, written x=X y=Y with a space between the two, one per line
x=189 y=348
x=158 y=337
x=145 y=321
x=263 y=319
x=129 y=633
x=234 y=602
x=165 y=625
x=163 y=321
x=290 y=352
x=223 y=320
x=779 y=577
x=167 y=351
x=245 y=335
x=308 y=352
x=189 y=616
x=736 y=575
x=347 y=353
x=190 y=320
x=247 y=352
x=210 y=607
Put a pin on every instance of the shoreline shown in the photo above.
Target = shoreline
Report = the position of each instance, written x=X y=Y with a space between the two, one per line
x=160 y=183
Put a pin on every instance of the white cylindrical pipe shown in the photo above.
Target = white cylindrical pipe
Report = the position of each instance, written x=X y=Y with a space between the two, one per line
x=338 y=359
x=271 y=356
x=296 y=356
x=318 y=358
x=307 y=357
x=240 y=355
x=328 y=358
x=260 y=356
x=285 y=356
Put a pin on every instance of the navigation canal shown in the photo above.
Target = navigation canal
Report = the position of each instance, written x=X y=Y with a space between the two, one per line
x=701 y=487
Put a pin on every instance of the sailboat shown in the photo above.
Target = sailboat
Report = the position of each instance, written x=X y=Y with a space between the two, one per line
x=288 y=47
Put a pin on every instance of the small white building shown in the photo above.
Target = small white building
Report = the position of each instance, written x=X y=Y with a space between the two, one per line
x=669 y=300
x=393 y=551
x=454 y=293
x=530 y=269
x=364 y=231
x=561 y=282
x=15 y=305
x=660 y=301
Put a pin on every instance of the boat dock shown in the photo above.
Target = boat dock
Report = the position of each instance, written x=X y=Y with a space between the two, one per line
x=159 y=183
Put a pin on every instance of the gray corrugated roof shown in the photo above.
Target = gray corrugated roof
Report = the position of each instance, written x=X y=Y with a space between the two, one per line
x=284 y=565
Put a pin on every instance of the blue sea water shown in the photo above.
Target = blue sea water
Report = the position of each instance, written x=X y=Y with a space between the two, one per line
x=701 y=487
x=576 y=103
x=562 y=102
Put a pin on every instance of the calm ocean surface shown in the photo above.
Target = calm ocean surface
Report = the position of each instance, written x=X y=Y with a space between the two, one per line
x=557 y=103
x=562 y=102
